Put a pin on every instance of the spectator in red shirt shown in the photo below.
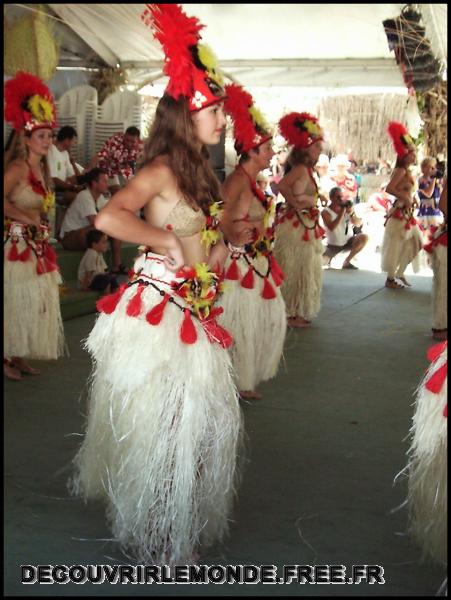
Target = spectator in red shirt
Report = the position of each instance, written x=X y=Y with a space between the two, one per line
x=119 y=156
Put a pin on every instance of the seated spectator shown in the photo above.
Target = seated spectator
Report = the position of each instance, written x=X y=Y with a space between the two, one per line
x=92 y=271
x=63 y=170
x=343 y=178
x=79 y=218
x=118 y=157
x=340 y=219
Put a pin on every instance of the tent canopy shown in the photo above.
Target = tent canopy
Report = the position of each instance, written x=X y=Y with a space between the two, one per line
x=298 y=45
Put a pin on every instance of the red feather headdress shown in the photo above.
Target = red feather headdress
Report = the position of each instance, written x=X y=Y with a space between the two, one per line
x=300 y=129
x=402 y=140
x=190 y=66
x=250 y=128
x=29 y=103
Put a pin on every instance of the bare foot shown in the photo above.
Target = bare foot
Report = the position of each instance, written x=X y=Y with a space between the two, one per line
x=250 y=395
x=394 y=285
x=23 y=367
x=10 y=372
x=405 y=282
x=301 y=322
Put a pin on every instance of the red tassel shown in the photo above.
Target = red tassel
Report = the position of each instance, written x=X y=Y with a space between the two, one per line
x=134 y=307
x=188 y=333
x=276 y=270
x=296 y=223
x=108 y=304
x=216 y=333
x=435 y=350
x=155 y=314
x=306 y=237
x=268 y=291
x=51 y=254
x=233 y=272
x=49 y=266
x=25 y=255
x=445 y=411
x=40 y=267
x=13 y=255
x=248 y=279
x=435 y=383
x=319 y=232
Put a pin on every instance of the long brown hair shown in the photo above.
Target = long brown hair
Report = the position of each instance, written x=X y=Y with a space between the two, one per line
x=16 y=149
x=173 y=134
x=297 y=156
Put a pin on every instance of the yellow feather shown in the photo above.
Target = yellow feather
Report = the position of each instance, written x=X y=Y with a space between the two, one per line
x=41 y=109
x=258 y=118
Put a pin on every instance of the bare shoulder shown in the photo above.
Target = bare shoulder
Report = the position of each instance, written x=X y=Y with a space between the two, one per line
x=235 y=183
x=17 y=167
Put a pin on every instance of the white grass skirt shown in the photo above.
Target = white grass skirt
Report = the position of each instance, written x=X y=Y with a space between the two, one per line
x=302 y=265
x=33 y=327
x=163 y=431
x=400 y=247
x=258 y=327
x=428 y=479
x=440 y=287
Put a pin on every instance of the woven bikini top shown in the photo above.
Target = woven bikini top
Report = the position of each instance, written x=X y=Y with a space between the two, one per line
x=26 y=198
x=183 y=220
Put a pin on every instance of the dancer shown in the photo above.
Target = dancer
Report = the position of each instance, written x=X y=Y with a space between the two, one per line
x=298 y=246
x=427 y=467
x=164 y=418
x=438 y=249
x=403 y=239
x=254 y=309
x=32 y=316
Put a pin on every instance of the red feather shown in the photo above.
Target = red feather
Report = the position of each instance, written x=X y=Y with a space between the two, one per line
x=291 y=128
x=396 y=130
x=237 y=105
x=17 y=91
x=176 y=32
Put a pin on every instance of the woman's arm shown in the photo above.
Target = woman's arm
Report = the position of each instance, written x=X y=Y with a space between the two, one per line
x=235 y=223
x=117 y=219
x=428 y=189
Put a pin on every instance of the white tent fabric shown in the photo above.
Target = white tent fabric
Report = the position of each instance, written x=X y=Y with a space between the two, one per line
x=332 y=45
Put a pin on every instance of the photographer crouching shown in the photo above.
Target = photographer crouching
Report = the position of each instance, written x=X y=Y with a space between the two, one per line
x=342 y=228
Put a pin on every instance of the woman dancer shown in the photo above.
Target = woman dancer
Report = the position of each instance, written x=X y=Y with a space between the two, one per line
x=298 y=246
x=403 y=239
x=32 y=317
x=254 y=310
x=164 y=419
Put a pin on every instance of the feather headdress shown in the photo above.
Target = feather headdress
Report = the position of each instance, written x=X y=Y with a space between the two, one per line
x=300 y=129
x=29 y=103
x=249 y=125
x=402 y=140
x=190 y=66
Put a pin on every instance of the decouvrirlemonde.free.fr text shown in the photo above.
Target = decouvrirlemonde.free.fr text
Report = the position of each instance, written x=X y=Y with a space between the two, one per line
x=198 y=574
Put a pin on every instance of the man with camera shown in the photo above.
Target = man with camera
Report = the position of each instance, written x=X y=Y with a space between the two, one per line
x=342 y=228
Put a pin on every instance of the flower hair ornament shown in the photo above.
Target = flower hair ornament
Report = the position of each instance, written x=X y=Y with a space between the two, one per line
x=190 y=65
x=402 y=140
x=29 y=103
x=250 y=127
x=301 y=130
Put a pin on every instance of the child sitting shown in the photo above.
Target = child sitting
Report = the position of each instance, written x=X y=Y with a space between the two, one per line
x=92 y=273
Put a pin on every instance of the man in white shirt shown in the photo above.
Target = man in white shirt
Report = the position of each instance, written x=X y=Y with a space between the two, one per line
x=63 y=170
x=80 y=216
x=340 y=219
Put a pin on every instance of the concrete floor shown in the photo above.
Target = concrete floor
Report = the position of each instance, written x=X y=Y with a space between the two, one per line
x=324 y=447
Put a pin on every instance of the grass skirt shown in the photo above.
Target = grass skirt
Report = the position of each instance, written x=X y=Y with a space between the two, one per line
x=33 y=327
x=440 y=287
x=163 y=432
x=400 y=247
x=301 y=263
x=258 y=327
x=427 y=492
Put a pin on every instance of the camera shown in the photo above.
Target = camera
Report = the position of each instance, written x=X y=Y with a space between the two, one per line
x=440 y=169
x=347 y=204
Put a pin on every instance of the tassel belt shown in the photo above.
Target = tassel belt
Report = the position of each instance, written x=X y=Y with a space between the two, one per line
x=297 y=218
x=273 y=269
x=36 y=243
x=193 y=290
x=403 y=214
